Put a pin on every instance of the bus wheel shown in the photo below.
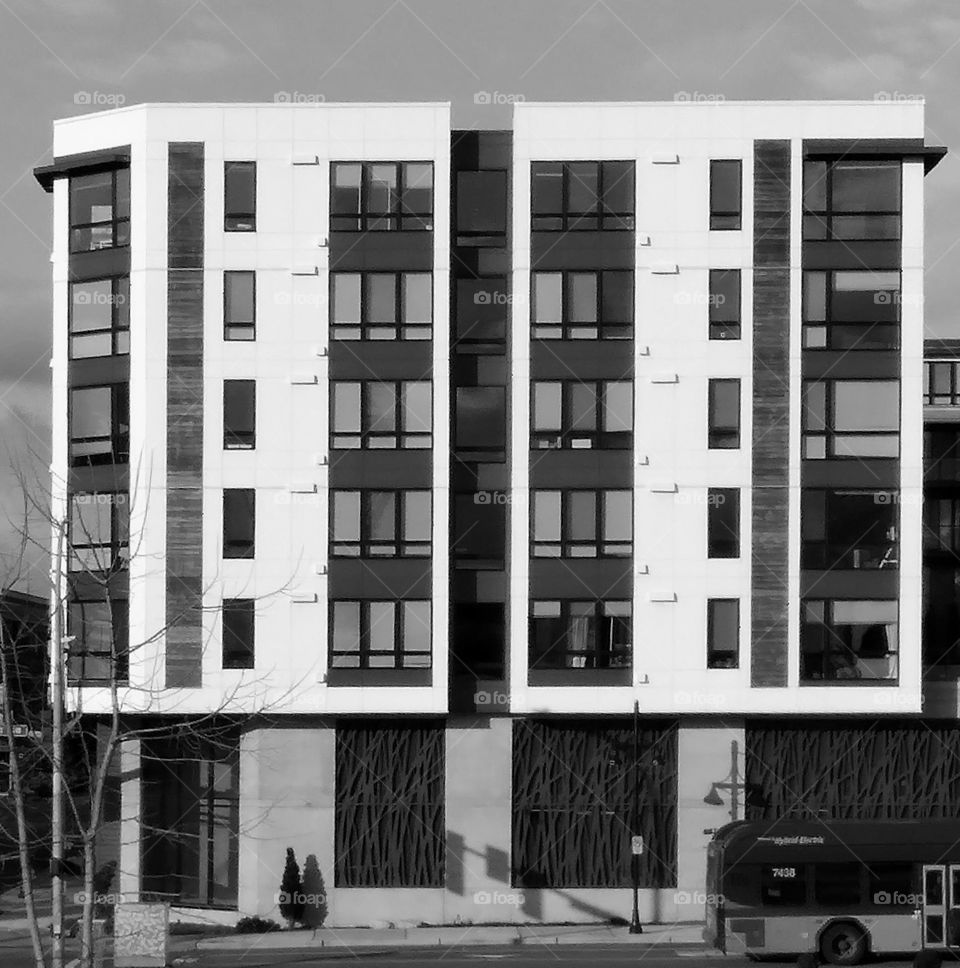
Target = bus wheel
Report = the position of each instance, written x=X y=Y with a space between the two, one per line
x=843 y=943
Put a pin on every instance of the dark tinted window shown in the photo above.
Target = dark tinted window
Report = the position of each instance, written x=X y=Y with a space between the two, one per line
x=481 y=418
x=724 y=304
x=723 y=633
x=483 y=307
x=238 y=621
x=239 y=414
x=724 y=414
x=783 y=886
x=837 y=885
x=239 y=305
x=481 y=202
x=723 y=522
x=239 y=522
x=240 y=196
x=726 y=178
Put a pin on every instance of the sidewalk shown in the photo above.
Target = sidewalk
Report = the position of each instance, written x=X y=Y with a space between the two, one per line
x=477 y=934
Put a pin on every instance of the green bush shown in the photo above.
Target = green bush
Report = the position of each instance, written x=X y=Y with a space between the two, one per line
x=256 y=925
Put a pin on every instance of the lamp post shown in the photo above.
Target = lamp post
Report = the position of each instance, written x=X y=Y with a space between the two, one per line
x=635 y=926
x=733 y=785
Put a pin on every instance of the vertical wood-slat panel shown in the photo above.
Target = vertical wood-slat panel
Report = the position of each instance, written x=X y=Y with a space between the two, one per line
x=771 y=413
x=184 y=563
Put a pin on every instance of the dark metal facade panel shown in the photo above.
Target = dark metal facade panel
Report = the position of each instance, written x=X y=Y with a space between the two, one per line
x=582 y=250
x=358 y=251
x=380 y=578
x=603 y=579
x=771 y=413
x=184 y=562
x=587 y=359
x=387 y=360
x=581 y=468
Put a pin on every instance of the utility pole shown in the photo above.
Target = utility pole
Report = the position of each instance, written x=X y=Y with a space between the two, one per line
x=635 y=926
x=56 y=697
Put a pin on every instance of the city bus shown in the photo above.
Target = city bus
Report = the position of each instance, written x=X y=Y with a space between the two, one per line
x=837 y=889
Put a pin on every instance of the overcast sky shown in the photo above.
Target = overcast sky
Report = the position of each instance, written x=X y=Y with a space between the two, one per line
x=55 y=54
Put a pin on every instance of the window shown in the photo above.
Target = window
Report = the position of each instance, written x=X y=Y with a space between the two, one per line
x=853 y=309
x=848 y=639
x=239 y=414
x=726 y=181
x=99 y=531
x=723 y=522
x=380 y=635
x=238 y=622
x=373 y=414
x=724 y=304
x=575 y=414
x=100 y=317
x=855 y=529
x=380 y=524
x=582 y=305
x=239 y=522
x=100 y=210
x=851 y=199
x=483 y=306
x=941 y=383
x=581 y=524
x=481 y=419
x=381 y=196
x=240 y=196
x=837 y=885
x=481 y=203
x=941 y=530
x=724 y=415
x=99 y=425
x=239 y=305
x=851 y=418
x=381 y=305
x=99 y=650
x=582 y=195
x=580 y=635
x=893 y=879
x=723 y=633
x=783 y=886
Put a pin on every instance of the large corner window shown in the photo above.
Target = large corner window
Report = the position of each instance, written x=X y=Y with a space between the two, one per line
x=381 y=196
x=855 y=309
x=100 y=317
x=99 y=646
x=726 y=193
x=99 y=425
x=381 y=415
x=849 y=529
x=581 y=524
x=580 y=635
x=380 y=635
x=851 y=199
x=851 y=419
x=381 y=305
x=582 y=195
x=100 y=210
x=380 y=524
x=582 y=415
x=848 y=639
x=240 y=196
x=99 y=531
x=582 y=305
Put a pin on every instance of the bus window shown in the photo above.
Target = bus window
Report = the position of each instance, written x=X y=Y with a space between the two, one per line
x=837 y=885
x=783 y=886
x=933 y=888
x=891 y=884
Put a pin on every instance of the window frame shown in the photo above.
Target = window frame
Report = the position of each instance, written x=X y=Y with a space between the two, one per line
x=234 y=221
x=719 y=658
x=567 y=547
x=567 y=220
x=403 y=439
x=720 y=436
x=117 y=543
x=566 y=437
x=117 y=658
x=115 y=222
x=119 y=436
x=596 y=329
x=233 y=546
x=402 y=331
x=829 y=435
x=242 y=439
x=119 y=328
x=832 y=328
x=719 y=329
x=930 y=396
x=831 y=553
x=726 y=219
x=614 y=657
x=892 y=656
x=827 y=214
x=233 y=325
x=399 y=217
x=366 y=546
x=715 y=541
x=363 y=653
x=238 y=658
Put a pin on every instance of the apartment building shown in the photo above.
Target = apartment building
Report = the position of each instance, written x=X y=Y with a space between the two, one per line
x=430 y=469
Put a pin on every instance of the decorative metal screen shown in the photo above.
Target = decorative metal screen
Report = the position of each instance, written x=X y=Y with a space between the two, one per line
x=573 y=800
x=876 y=770
x=389 y=805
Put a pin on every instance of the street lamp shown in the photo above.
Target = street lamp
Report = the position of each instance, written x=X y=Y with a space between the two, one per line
x=636 y=841
x=733 y=785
